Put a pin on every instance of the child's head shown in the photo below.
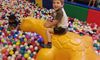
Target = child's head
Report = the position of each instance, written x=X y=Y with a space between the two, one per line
x=58 y=4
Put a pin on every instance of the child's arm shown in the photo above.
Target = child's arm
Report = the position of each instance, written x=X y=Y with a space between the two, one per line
x=49 y=24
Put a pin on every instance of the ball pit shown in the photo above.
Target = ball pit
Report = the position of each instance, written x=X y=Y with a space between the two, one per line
x=15 y=42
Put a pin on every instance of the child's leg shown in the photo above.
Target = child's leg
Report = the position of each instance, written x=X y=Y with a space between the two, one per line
x=49 y=31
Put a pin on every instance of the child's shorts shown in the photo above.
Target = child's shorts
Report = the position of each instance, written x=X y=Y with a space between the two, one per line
x=60 y=30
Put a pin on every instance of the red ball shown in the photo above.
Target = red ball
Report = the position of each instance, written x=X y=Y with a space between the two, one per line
x=32 y=49
x=22 y=43
x=4 y=51
x=4 y=58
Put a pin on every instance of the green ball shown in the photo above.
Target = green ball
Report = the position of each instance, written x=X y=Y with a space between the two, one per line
x=98 y=40
x=95 y=45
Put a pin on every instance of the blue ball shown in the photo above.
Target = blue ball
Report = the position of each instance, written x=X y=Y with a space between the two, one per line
x=22 y=52
x=14 y=36
x=98 y=48
x=16 y=32
x=10 y=37
x=22 y=48
x=40 y=40
x=95 y=45
x=21 y=39
x=1 y=28
x=31 y=55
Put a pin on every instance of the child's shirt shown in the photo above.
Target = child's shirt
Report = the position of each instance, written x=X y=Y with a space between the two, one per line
x=62 y=17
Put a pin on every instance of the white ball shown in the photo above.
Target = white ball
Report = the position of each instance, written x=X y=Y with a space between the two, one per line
x=26 y=47
x=32 y=59
x=29 y=51
x=34 y=53
x=17 y=52
x=9 y=58
x=36 y=48
x=31 y=46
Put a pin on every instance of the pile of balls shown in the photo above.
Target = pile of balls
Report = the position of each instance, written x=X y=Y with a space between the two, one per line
x=23 y=9
x=18 y=45
x=83 y=28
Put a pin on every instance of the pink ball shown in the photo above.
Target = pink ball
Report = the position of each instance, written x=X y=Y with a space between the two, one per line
x=4 y=57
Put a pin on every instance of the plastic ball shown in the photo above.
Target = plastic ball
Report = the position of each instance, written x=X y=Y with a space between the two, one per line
x=4 y=58
x=29 y=58
x=22 y=52
x=18 y=43
x=36 y=48
x=34 y=53
x=19 y=57
x=17 y=52
x=2 y=40
x=31 y=46
x=95 y=45
x=40 y=40
x=29 y=52
x=98 y=40
x=31 y=55
x=4 y=51
x=13 y=55
x=26 y=55
x=11 y=52
x=23 y=58
x=9 y=58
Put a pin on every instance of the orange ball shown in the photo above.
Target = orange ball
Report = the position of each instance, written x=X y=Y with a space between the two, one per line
x=3 y=51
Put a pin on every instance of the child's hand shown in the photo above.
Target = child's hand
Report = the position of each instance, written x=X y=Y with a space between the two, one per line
x=47 y=24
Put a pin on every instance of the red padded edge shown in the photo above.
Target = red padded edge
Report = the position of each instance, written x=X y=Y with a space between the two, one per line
x=93 y=16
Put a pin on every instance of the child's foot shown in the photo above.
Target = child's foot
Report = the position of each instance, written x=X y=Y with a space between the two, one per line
x=42 y=44
x=49 y=45
x=45 y=45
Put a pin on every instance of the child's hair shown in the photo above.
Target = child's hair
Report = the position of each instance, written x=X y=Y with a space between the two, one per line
x=62 y=1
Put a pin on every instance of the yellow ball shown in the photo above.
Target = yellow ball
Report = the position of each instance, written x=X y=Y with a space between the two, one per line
x=18 y=43
x=26 y=55
x=11 y=52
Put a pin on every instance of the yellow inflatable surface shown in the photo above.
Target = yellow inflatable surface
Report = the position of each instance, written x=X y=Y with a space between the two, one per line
x=70 y=46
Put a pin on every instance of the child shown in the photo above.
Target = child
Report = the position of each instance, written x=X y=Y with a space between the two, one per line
x=60 y=22
x=13 y=21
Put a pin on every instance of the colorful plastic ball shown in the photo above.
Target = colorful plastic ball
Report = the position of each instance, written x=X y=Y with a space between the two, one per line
x=17 y=52
x=4 y=58
x=26 y=55
x=18 y=43
x=18 y=57
x=23 y=58
x=11 y=52
x=31 y=49
x=9 y=57
x=98 y=40
x=22 y=52
x=34 y=53
x=15 y=36
x=29 y=52
x=35 y=48
x=31 y=55
x=40 y=40
x=98 y=48
x=95 y=45
x=1 y=28
x=4 y=51
x=2 y=40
